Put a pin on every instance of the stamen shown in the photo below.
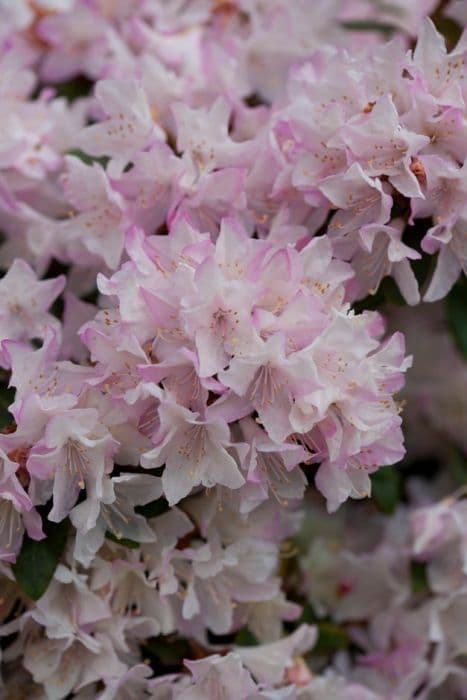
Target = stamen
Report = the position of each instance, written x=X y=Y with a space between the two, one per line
x=195 y=445
x=265 y=386
x=77 y=462
x=149 y=421
x=189 y=378
x=275 y=473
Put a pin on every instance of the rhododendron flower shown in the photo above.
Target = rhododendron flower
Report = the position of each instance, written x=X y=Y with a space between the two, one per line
x=25 y=302
x=194 y=452
x=76 y=453
x=211 y=214
x=128 y=126
x=17 y=513
x=117 y=515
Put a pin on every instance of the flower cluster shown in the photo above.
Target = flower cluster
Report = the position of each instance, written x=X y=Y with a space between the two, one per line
x=198 y=112
x=197 y=200
x=381 y=141
x=398 y=588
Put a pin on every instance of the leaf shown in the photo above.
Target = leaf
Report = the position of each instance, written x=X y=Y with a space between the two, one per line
x=391 y=292
x=245 y=638
x=386 y=489
x=308 y=615
x=423 y=268
x=331 y=638
x=154 y=508
x=7 y=396
x=37 y=561
x=363 y=25
x=370 y=302
x=167 y=651
x=418 y=577
x=456 y=308
x=86 y=158
x=73 y=89
x=457 y=465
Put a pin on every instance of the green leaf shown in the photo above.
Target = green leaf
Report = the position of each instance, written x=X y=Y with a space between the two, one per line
x=425 y=267
x=386 y=489
x=308 y=615
x=245 y=638
x=37 y=561
x=73 y=89
x=331 y=638
x=86 y=158
x=391 y=292
x=457 y=465
x=7 y=396
x=370 y=302
x=418 y=577
x=363 y=25
x=456 y=307
x=167 y=650
x=153 y=509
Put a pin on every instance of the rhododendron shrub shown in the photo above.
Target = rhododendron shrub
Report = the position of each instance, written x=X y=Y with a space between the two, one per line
x=232 y=350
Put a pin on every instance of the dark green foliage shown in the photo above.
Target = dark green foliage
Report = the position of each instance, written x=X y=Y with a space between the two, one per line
x=245 y=638
x=37 y=561
x=364 y=25
x=457 y=465
x=386 y=489
x=87 y=159
x=164 y=653
x=418 y=577
x=6 y=398
x=331 y=638
x=73 y=89
x=153 y=509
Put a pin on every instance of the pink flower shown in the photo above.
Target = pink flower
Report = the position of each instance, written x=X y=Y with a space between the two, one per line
x=96 y=219
x=128 y=127
x=25 y=302
x=381 y=146
x=202 y=135
x=194 y=452
x=271 y=382
x=269 y=663
x=442 y=72
x=117 y=515
x=16 y=512
x=76 y=453
x=219 y=675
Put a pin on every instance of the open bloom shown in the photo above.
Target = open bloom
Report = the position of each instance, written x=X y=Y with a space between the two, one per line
x=194 y=452
x=75 y=453
x=25 y=302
